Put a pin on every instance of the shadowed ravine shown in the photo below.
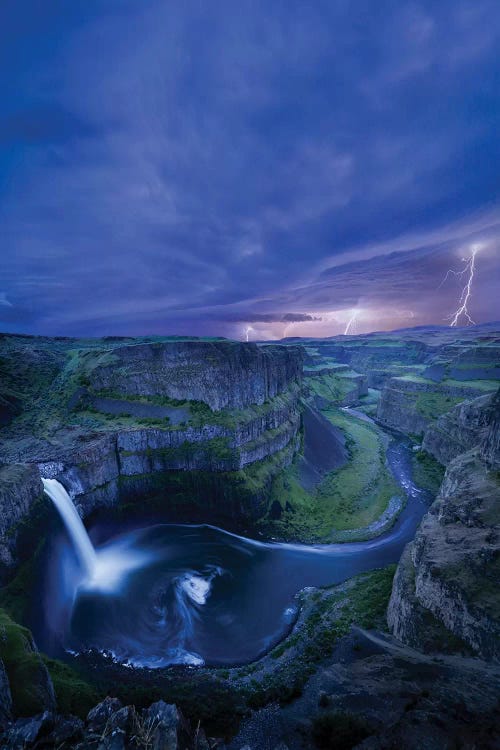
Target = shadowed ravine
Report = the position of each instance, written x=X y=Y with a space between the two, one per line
x=184 y=594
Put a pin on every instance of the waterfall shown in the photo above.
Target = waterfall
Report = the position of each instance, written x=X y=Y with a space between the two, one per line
x=74 y=526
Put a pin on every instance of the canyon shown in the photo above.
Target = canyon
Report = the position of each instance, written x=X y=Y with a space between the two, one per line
x=116 y=421
x=288 y=441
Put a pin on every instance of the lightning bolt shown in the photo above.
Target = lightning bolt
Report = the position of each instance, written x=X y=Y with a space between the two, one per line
x=247 y=332
x=463 y=303
x=351 y=322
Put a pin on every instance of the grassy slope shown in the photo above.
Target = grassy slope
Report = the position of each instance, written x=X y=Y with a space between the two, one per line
x=327 y=615
x=432 y=405
x=368 y=404
x=24 y=667
x=349 y=498
x=331 y=386
x=427 y=472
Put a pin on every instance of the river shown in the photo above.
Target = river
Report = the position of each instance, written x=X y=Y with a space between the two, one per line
x=197 y=594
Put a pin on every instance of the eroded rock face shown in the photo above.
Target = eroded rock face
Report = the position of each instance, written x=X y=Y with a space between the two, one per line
x=409 y=404
x=458 y=430
x=490 y=445
x=99 y=716
x=27 y=732
x=397 y=407
x=448 y=576
x=20 y=490
x=250 y=412
x=222 y=374
x=101 y=471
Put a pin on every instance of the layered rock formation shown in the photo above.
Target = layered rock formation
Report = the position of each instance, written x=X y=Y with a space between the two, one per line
x=457 y=430
x=20 y=490
x=422 y=373
x=446 y=586
x=411 y=403
x=374 y=351
x=116 y=465
x=222 y=375
x=398 y=407
x=337 y=383
x=183 y=421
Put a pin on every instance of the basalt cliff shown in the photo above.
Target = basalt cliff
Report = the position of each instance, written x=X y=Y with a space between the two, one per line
x=231 y=433
x=198 y=427
x=445 y=592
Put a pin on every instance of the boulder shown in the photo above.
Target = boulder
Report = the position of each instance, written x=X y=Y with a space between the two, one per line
x=67 y=730
x=99 y=716
x=25 y=733
x=165 y=726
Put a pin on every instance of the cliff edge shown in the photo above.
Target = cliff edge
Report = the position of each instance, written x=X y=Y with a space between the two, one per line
x=445 y=593
x=195 y=428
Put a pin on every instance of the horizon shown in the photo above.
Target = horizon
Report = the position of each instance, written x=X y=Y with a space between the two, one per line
x=443 y=328
x=248 y=171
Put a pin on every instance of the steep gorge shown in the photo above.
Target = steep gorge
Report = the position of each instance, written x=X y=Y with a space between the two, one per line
x=445 y=590
x=200 y=427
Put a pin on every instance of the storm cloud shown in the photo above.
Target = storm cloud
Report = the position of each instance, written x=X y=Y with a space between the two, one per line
x=198 y=168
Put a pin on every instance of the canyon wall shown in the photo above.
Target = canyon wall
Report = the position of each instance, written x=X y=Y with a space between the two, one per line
x=20 y=491
x=412 y=403
x=204 y=424
x=375 y=352
x=221 y=374
x=445 y=591
x=454 y=432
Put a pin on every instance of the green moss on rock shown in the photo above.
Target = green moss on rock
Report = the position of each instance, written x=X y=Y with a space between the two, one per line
x=73 y=694
x=30 y=684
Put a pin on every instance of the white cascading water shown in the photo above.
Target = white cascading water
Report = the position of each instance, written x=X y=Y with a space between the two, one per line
x=74 y=525
x=105 y=568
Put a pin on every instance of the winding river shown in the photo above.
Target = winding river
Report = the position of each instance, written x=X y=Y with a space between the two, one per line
x=195 y=594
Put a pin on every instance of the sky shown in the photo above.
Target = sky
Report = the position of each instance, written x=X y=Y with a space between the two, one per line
x=253 y=169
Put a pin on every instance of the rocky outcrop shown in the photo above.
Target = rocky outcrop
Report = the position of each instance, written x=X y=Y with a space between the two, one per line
x=358 y=388
x=490 y=445
x=221 y=374
x=29 y=688
x=109 y=726
x=206 y=408
x=374 y=693
x=20 y=490
x=397 y=407
x=336 y=385
x=449 y=574
x=410 y=404
x=457 y=430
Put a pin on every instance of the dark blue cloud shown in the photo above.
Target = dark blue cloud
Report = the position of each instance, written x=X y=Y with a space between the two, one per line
x=186 y=166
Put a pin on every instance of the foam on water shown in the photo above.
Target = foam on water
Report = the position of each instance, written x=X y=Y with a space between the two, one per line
x=197 y=587
x=105 y=569
x=193 y=594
